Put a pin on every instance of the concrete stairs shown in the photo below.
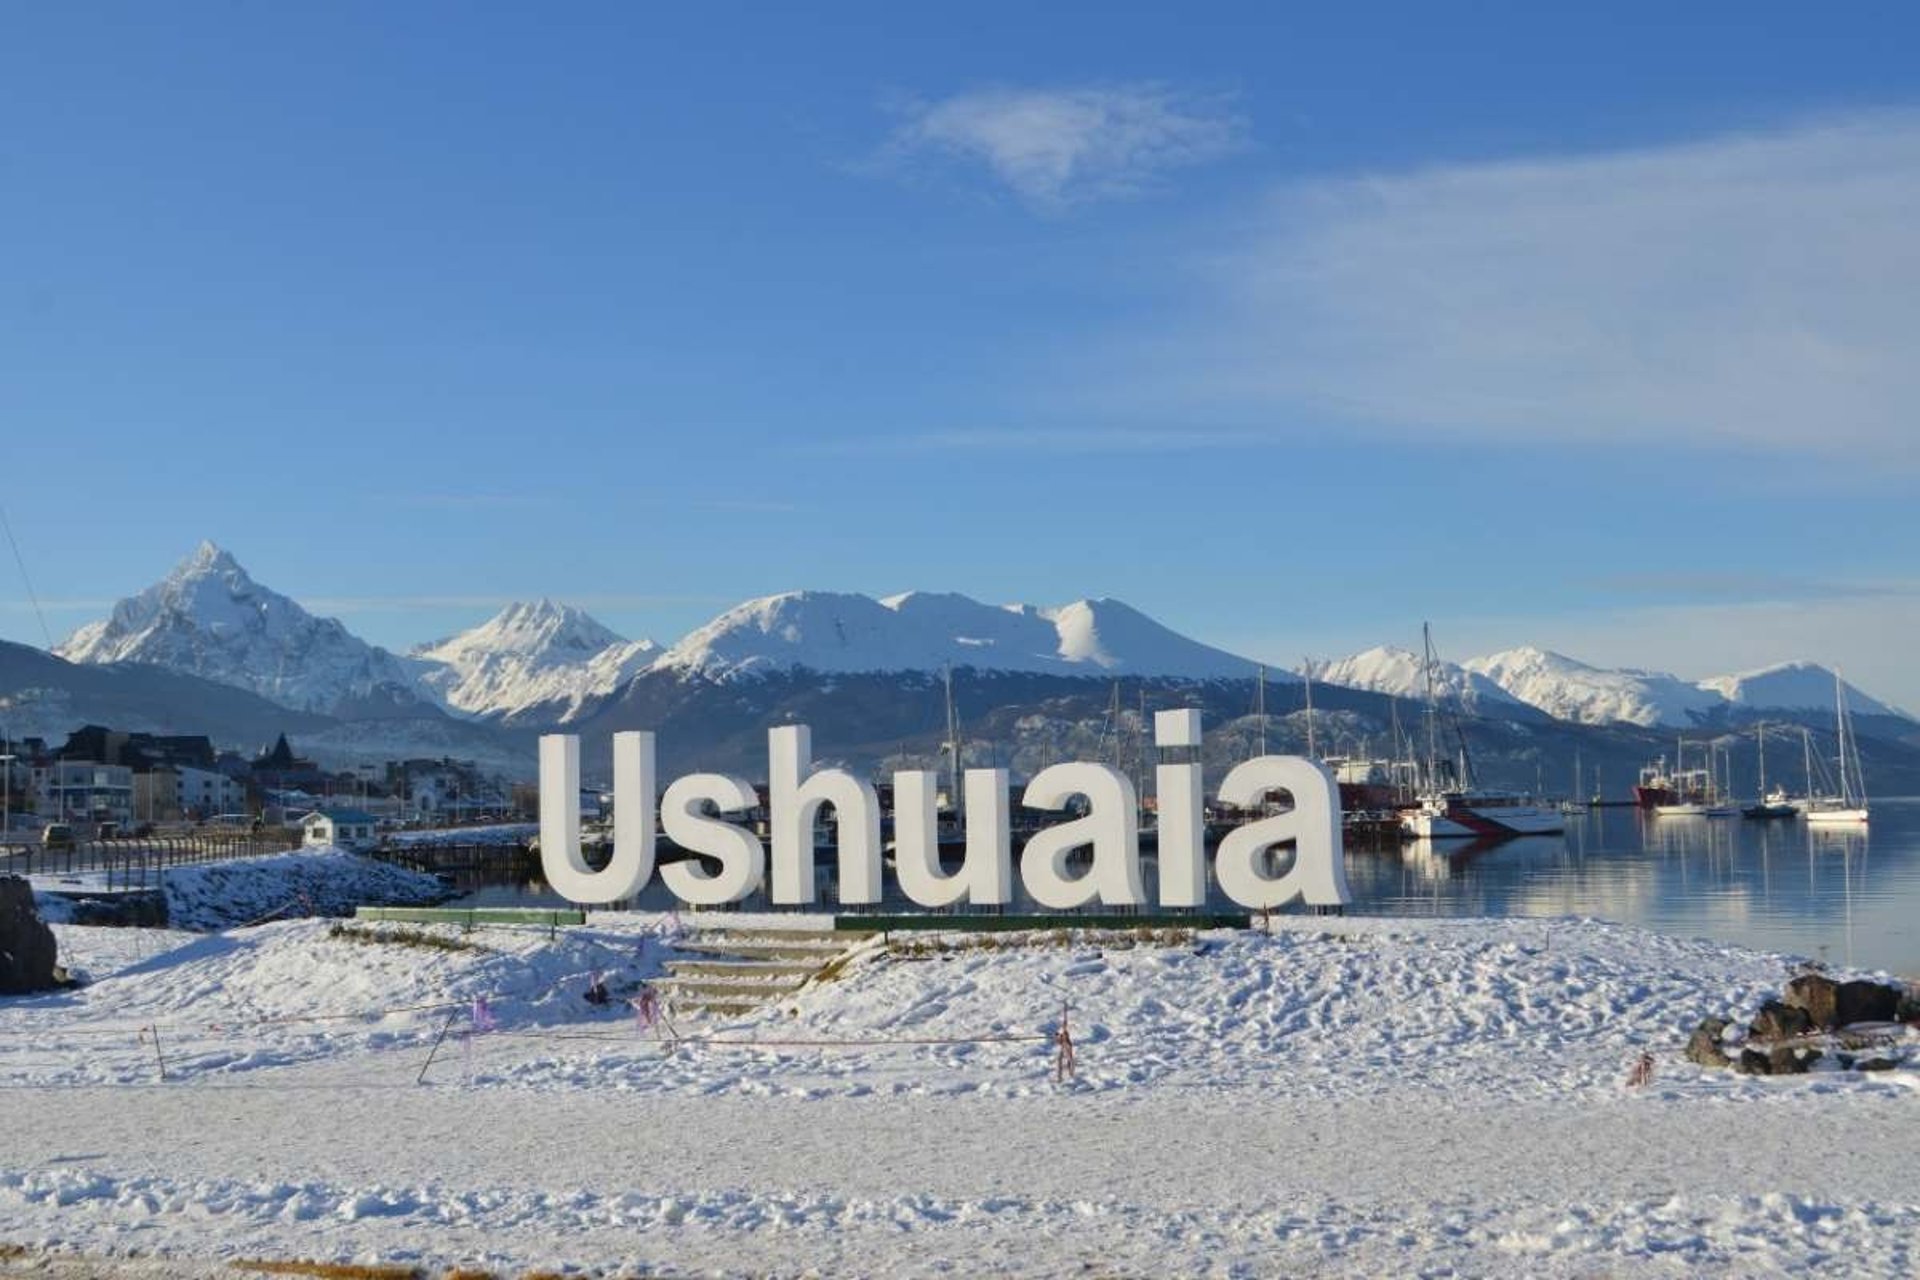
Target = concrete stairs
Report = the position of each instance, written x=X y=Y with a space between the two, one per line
x=738 y=970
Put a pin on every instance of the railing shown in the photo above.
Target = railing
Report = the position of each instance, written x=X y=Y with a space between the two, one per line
x=137 y=861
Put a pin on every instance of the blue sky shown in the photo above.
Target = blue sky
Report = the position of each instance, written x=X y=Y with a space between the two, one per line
x=1293 y=327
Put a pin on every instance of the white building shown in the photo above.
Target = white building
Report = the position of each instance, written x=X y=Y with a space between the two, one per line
x=343 y=828
x=79 y=790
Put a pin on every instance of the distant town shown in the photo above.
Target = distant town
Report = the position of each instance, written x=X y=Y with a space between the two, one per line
x=103 y=781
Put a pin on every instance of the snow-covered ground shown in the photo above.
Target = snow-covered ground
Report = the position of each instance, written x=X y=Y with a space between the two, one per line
x=1342 y=1097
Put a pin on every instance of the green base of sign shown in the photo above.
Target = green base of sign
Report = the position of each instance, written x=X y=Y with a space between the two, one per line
x=468 y=917
x=1009 y=923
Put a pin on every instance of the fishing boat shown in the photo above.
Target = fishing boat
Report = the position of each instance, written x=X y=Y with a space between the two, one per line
x=1849 y=807
x=1677 y=788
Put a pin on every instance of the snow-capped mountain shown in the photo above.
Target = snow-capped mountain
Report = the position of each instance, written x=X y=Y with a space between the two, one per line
x=1798 y=686
x=924 y=631
x=542 y=654
x=208 y=618
x=1567 y=689
x=1402 y=673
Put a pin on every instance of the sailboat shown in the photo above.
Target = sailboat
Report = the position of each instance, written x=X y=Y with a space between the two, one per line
x=1466 y=811
x=1774 y=803
x=1687 y=792
x=1850 y=806
x=1719 y=802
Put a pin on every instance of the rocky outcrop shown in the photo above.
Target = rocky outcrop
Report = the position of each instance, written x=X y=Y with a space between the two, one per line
x=1815 y=1015
x=1778 y=1021
x=1829 y=1004
x=28 y=953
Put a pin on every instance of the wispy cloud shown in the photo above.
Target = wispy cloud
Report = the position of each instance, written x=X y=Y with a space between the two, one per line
x=1059 y=147
x=1753 y=292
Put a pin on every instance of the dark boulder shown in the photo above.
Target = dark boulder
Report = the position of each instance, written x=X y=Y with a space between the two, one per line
x=1703 y=1046
x=28 y=953
x=1817 y=996
x=1865 y=1002
x=1877 y=1064
x=1779 y=1061
x=1777 y=1021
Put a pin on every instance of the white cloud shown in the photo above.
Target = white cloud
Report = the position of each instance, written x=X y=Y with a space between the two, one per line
x=1754 y=292
x=1058 y=147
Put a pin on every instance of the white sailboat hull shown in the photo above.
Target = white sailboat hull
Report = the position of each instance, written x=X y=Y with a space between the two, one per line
x=1465 y=822
x=1837 y=817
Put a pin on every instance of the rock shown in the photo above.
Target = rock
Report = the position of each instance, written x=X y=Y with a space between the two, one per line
x=1777 y=1021
x=1816 y=995
x=1778 y=1061
x=1864 y=1001
x=1703 y=1046
x=1909 y=1009
x=28 y=952
x=1877 y=1064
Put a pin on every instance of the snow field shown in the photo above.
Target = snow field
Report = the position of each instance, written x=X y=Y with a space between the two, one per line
x=1344 y=1097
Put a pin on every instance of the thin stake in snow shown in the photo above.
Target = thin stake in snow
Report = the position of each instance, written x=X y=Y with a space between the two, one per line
x=151 y=1032
x=1642 y=1073
x=1063 y=1065
x=431 y=1053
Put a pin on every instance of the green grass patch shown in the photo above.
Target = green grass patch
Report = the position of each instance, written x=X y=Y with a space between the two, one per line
x=927 y=948
x=404 y=937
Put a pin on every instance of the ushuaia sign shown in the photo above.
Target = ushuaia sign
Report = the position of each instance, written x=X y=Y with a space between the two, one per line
x=693 y=813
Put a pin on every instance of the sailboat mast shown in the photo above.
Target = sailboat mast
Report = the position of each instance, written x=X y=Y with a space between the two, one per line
x=1762 y=749
x=1840 y=728
x=1312 y=752
x=1433 y=745
x=1260 y=707
x=953 y=746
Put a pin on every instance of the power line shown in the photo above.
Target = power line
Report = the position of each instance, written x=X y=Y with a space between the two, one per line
x=34 y=599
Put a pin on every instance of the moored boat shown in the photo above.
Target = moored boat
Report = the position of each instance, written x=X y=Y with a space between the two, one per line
x=1461 y=815
x=1849 y=808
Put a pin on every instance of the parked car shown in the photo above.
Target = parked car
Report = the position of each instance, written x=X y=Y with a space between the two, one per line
x=57 y=835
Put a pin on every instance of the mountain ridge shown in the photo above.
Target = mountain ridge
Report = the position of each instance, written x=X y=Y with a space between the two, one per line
x=545 y=663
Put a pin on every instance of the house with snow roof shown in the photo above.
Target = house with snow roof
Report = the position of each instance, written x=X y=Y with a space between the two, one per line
x=343 y=828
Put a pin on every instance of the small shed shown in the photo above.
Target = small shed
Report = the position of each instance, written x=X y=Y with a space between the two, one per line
x=344 y=828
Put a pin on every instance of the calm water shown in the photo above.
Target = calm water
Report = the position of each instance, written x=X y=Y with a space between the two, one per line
x=1847 y=897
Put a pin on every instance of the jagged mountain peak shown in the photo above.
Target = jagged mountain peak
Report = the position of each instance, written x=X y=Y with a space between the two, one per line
x=539 y=653
x=209 y=618
x=541 y=629
x=1401 y=672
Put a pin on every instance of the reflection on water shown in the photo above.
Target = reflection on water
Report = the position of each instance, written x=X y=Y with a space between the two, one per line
x=1841 y=895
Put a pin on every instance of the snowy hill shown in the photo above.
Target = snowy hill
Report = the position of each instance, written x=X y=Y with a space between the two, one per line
x=922 y=631
x=1796 y=686
x=1401 y=673
x=1567 y=689
x=208 y=618
x=542 y=654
